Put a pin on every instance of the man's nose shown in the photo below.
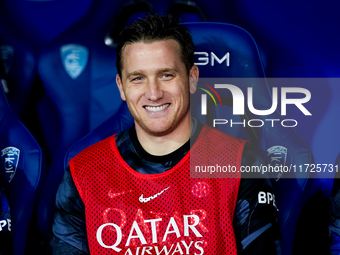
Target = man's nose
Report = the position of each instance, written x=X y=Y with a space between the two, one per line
x=154 y=91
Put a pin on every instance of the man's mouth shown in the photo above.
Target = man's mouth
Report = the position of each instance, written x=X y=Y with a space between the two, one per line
x=156 y=108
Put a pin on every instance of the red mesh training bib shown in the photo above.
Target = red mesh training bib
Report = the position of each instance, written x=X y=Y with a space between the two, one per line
x=164 y=214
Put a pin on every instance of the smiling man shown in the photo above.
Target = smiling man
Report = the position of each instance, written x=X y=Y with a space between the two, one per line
x=154 y=83
x=132 y=193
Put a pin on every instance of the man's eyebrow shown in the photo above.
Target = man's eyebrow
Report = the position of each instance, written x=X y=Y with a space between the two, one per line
x=137 y=72
x=166 y=70
x=140 y=72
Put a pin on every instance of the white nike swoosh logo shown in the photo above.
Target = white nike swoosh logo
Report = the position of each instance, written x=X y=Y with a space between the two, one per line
x=144 y=200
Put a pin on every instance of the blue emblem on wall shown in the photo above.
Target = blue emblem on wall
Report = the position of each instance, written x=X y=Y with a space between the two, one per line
x=10 y=159
x=74 y=58
x=7 y=55
x=277 y=156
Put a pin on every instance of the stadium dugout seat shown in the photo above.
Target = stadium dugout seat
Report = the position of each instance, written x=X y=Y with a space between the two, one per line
x=77 y=70
x=110 y=127
x=78 y=73
x=323 y=189
x=39 y=22
x=227 y=54
x=186 y=11
x=17 y=68
x=22 y=172
x=195 y=10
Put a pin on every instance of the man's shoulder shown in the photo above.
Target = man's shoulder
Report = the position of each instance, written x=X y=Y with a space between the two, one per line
x=89 y=159
x=218 y=136
x=96 y=149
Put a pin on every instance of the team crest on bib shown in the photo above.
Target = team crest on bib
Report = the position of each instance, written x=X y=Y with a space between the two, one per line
x=200 y=189
x=10 y=159
x=277 y=156
x=74 y=58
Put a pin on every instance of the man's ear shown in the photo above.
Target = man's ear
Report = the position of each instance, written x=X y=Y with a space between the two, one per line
x=194 y=74
x=120 y=87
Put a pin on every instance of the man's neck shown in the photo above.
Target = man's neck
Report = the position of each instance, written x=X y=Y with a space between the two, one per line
x=163 y=145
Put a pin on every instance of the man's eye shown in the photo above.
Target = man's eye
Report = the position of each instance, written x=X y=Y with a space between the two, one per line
x=167 y=75
x=137 y=79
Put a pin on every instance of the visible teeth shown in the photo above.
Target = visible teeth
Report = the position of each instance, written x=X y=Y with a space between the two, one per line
x=157 y=108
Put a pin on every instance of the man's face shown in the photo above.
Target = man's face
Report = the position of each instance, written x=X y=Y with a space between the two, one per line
x=156 y=86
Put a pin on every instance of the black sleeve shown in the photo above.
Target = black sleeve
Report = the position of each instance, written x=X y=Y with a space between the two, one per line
x=69 y=228
x=255 y=220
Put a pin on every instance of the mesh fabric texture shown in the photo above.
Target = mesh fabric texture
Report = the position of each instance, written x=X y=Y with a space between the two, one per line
x=168 y=213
